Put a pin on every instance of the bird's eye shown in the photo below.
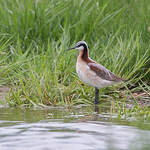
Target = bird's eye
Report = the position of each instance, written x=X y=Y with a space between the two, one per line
x=78 y=45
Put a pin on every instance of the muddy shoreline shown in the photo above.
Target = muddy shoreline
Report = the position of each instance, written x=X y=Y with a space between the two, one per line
x=3 y=92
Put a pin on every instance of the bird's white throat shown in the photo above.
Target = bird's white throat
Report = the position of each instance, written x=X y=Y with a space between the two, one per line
x=80 y=48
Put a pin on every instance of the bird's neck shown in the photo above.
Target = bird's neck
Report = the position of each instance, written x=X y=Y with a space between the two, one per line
x=83 y=54
x=84 y=57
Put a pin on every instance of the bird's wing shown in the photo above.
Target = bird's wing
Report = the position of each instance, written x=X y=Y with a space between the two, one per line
x=104 y=73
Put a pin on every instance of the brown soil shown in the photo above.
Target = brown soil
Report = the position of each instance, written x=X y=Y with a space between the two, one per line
x=3 y=91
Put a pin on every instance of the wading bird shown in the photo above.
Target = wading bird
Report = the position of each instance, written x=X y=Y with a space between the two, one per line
x=92 y=73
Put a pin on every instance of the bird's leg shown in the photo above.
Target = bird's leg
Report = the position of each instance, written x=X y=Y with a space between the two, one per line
x=96 y=96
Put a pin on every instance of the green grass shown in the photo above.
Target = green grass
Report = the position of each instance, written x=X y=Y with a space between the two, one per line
x=35 y=33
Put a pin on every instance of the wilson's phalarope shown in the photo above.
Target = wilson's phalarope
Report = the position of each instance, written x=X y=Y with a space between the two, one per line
x=92 y=73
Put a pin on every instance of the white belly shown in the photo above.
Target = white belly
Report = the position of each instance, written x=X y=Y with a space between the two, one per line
x=90 y=77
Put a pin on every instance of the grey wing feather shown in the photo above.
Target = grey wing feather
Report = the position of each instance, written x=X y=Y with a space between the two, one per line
x=104 y=73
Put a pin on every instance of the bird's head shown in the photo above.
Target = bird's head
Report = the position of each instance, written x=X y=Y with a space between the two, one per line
x=81 y=45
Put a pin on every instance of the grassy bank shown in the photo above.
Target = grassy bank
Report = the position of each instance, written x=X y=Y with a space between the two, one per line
x=35 y=33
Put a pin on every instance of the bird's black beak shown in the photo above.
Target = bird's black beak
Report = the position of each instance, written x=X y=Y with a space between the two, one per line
x=71 y=48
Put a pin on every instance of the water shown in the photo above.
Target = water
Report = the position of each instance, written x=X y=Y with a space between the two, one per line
x=70 y=129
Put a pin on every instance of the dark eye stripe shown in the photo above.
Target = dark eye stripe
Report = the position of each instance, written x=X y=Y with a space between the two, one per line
x=81 y=45
x=78 y=45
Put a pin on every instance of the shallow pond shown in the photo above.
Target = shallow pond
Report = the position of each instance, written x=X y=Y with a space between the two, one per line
x=80 y=128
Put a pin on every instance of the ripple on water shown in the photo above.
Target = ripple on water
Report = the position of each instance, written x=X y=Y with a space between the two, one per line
x=68 y=131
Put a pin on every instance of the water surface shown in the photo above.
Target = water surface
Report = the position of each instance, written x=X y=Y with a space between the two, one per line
x=84 y=128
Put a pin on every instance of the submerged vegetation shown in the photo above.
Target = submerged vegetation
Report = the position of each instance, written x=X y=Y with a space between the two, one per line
x=35 y=33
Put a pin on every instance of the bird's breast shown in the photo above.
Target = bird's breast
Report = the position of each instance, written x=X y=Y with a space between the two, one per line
x=84 y=72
